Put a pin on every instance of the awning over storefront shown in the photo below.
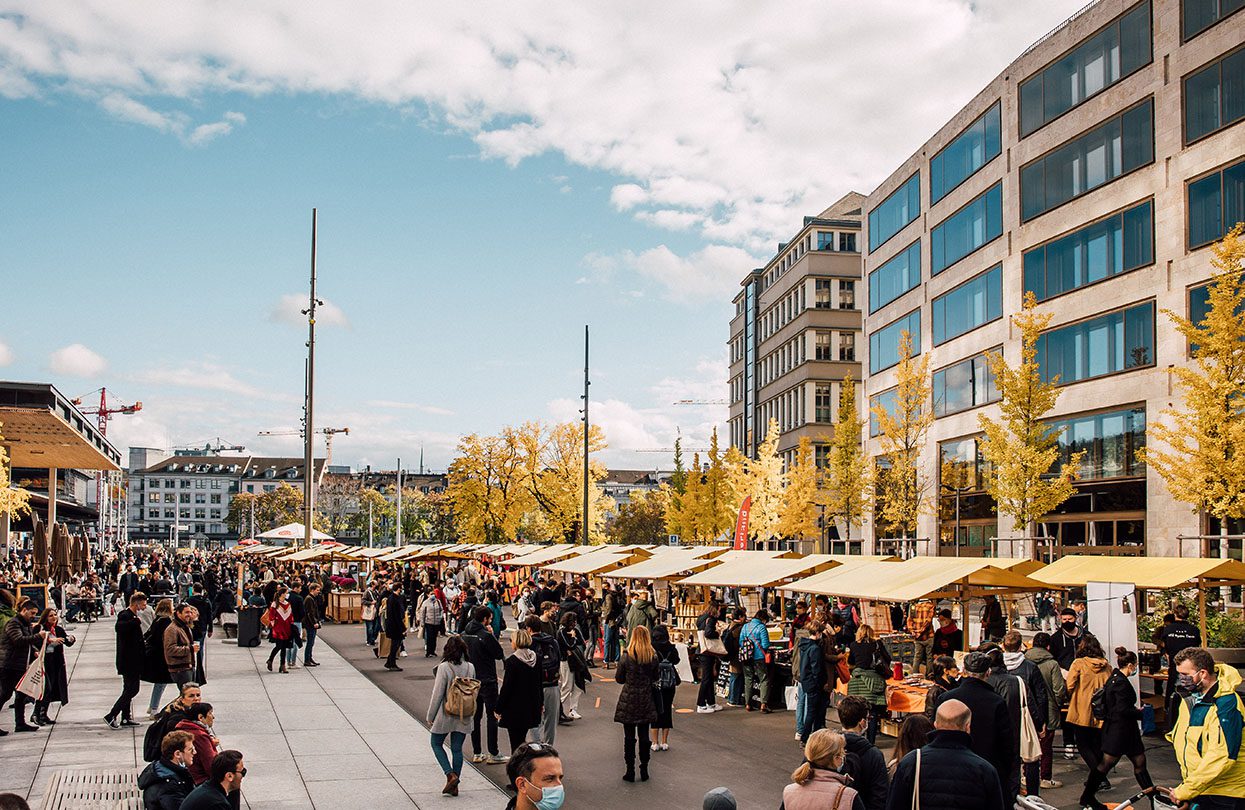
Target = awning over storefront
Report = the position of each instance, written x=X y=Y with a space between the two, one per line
x=603 y=558
x=917 y=578
x=759 y=573
x=549 y=554
x=1145 y=572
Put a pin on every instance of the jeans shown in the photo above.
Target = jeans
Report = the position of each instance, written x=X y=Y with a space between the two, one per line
x=549 y=723
x=291 y=655
x=756 y=673
x=1048 y=754
x=922 y=654
x=801 y=711
x=311 y=642
x=486 y=705
x=372 y=628
x=735 y=690
x=612 y=647
x=430 y=639
x=129 y=688
x=814 y=713
x=707 y=696
x=180 y=677
x=157 y=691
x=456 y=751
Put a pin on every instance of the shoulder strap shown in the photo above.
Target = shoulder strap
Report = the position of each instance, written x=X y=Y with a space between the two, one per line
x=916 y=783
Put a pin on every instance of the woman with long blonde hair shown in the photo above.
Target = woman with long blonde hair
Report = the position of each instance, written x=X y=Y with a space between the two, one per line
x=869 y=662
x=636 y=709
x=817 y=783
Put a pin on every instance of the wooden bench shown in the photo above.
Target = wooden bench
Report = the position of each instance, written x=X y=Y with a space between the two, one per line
x=94 y=789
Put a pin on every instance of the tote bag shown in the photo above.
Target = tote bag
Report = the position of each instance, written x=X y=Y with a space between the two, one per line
x=32 y=682
x=710 y=646
x=1030 y=744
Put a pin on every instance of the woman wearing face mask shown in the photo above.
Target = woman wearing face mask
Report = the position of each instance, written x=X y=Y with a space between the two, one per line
x=817 y=783
x=1089 y=672
x=534 y=773
x=1121 y=734
x=280 y=627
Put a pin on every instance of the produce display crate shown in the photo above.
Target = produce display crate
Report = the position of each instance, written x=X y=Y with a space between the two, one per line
x=346 y=607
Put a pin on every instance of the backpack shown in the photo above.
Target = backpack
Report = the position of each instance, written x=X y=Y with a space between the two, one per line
x=747 y=649
x=1098 y=703
x=667 y=675
x=548 y=658
x=460 y=697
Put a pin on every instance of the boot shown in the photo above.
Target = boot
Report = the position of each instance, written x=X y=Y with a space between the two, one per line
x=1092 y=782
x=629 y=759
x=20 y=723
x=43 y=719
x=646 y=747
x=282 y=669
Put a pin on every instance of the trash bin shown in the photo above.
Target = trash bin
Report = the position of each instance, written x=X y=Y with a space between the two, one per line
x=248 y=627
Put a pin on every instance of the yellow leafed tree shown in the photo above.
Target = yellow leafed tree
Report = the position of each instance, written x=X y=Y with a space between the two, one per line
x=1203 y=462
x=486 y=488
x=765 y=483
x=902 y=489
x=1020 y=447
x=847 y=473
x=13 y=502
x=553 y=466
x=719 y=505
x=799 y=512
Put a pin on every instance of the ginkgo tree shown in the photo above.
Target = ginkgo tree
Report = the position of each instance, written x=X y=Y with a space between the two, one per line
x=901 y=487
x=14 y=502
x=799 y=504
x=847 y=478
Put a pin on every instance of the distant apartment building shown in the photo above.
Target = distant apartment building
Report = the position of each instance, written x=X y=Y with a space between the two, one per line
x=1094 y=172
x=796 y=334
x=620 y=484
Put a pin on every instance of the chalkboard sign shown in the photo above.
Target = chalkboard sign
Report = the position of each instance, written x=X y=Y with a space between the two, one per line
x=722 y=688
x=37 y=593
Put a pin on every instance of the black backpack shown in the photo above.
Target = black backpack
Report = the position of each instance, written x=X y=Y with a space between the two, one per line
x=667 y=675
x=547 y=656
x=1098 y=703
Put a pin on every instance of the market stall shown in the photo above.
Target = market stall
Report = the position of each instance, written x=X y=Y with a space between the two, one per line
x=598 y=563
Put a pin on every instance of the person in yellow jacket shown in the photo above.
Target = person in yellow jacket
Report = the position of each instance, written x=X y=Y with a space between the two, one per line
x=1207 y=735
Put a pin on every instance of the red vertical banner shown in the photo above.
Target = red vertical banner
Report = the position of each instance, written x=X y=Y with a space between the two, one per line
x=741 y=524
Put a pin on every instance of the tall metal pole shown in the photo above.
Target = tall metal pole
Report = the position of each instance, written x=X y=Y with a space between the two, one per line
x=309 y=425
x=584 y=523
x=369 y=523
x=398 y=532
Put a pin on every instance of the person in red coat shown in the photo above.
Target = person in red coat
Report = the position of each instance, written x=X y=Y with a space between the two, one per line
x=280 y=627
x=198 y=722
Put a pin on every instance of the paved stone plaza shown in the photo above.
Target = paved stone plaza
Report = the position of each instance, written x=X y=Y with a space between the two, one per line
x=324 y=738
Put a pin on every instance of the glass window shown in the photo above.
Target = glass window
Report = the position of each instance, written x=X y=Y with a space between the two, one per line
x=884 y=343
x=887 y=400
x=1116 y=341
x=897 y=210
x=1216 y=203
x=1198 y=15
x=1108 y=151
x=822 y=342
x=1094 y=65
x=847 y=241
x=961 y=466
x=967 y=384
x=821 y=297
x=895 y=277
x=825 y=240
x=847 y=295
x=975 y=302
x=1109 y=247
x=847 y=346
x=1110 y=442
x=1214 y=97
x=823 y=403
x=976 y=146
x=966 y=230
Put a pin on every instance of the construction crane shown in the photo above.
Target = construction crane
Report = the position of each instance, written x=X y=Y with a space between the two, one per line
x=213 y=449
x=113 y=513
x=329 y=433
x=700 y=402
x=671 y=450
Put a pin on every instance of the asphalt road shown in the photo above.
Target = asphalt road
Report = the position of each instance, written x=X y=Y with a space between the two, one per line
x=751 y=753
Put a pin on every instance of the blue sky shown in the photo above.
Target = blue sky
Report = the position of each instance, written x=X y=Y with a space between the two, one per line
x=486 y=187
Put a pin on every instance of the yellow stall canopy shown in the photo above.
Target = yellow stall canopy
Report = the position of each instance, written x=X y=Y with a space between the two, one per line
x=749 y=572
x=1145 y=572
x=668 y=565
x=917 y=578
x=549 y=554
x=602 y=558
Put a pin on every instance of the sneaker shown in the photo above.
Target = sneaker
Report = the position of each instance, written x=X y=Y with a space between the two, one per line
x=798 y=737
x=497 y=759
x=1051 y=784
x=1106 y=785
x=704 y=710
x=717 y=707
x=129 y=723
x=575 y=715
x=665 y=746
x=478 y=758
x=113 y=722
x=402 y=654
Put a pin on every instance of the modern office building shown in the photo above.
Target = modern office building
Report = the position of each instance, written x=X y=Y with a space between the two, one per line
x=796 y=334
x=1094 y=172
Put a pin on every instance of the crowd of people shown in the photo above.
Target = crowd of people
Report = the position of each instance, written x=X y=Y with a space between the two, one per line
x=987 y=734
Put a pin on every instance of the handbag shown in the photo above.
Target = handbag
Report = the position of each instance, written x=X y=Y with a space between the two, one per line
x=33 y=681
x=843 y=670
x=710 y=646
x=1030 y=743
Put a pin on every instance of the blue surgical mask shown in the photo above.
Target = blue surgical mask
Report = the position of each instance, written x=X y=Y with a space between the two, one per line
x=551 y=798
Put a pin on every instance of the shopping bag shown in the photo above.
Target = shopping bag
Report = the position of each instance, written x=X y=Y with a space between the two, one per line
x=1030 y=742
x=32 y=682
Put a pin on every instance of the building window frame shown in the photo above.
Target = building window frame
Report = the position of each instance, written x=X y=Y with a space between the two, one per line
x=992 y=278
x=906 y=255
x=1220 y=17
x=988 y=384
x=905 y=188
x=1122 y=213
x=997 y=109
x=1238 y=165
x=1122 y=311
x=989 y=199
x=914 y=334
x=1218 y=64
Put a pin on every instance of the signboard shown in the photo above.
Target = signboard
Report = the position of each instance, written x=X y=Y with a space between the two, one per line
x=38 y=594
x=741 y=524
x=674 y=540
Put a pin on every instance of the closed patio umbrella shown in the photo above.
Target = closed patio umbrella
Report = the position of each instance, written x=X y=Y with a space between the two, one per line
x=61 y=569
x=39 y=552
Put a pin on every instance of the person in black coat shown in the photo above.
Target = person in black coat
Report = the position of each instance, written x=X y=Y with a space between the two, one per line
x=636 y=709
x=484 y=651
x=131 y=659
x=395 y=626
x=1121 y=734
x=864 y=762
x=991 y=733
x=522 y=697
x=166 y=782
x=953 y=777
x=571 y=604
x=813 y=676
x=22 y=639
x=56 y=677
x=155 y=667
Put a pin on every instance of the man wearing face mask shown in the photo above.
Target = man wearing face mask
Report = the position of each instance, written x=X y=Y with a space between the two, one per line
x=1063 y=649
x=1178 y=635
x=535 y=775
x=1207 y=735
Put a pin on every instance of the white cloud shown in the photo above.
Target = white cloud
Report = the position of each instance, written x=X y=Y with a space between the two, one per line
x=175 y=123
x=410 y=406
x=76 y=360
x=208 y=376
x=743 y=128
x=290 y=310
x=710 y=274
x=6 y=355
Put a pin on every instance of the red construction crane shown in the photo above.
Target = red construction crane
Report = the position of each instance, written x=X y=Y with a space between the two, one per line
x=112 y=514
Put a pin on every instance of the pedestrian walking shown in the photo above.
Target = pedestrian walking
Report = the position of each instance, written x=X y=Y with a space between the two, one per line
x=313 y=616
x=865 y=765
x=1172 y=638
x=754 y=659
x=946 y=773
x=572 y=668
x=180 y=648
x=280 y=629
x=371 y=613
x=198 y=724
x=614 y=608
x=1056 y=695
x=667 y=684
x=709 y=642
x=641 y=613
x=430 y=615
x=534 y=774
x=55 y=677
x=817 y=783
x=484 y=651
x=521 y=699
x=730 y=640
x=991 y=736
x=549 y=663
x=393 y=609
x=444 y=722
x=868 y=660
x=913 y=734
x=131 y=656
x=636 y=709
x=1207 y=734
x=813 y=677
x=1121 y=730
x=22 y=640
x=155 y=668
x=1089 y=673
